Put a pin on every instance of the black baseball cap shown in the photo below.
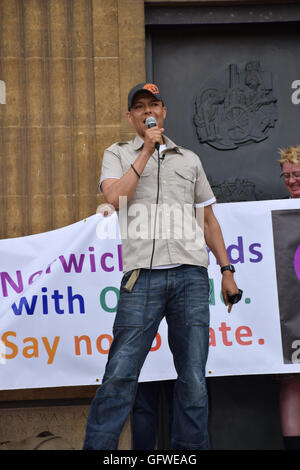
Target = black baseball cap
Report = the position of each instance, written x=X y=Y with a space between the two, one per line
x=149 y=87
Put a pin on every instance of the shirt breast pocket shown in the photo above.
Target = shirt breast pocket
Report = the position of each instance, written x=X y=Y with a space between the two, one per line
x=145 y=188
x=185 y=184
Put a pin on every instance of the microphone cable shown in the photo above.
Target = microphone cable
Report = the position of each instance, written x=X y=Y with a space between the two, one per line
x=152 y=254
x=150 y=122
x=154 y=227
x=156 y=207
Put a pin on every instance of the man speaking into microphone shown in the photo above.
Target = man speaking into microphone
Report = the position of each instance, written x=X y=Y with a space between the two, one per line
x=165 y=273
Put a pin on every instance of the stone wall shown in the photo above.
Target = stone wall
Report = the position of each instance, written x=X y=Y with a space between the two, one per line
x=65 y=68
x=66 y=421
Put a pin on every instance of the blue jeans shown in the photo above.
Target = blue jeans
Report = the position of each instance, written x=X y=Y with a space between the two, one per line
x=146 y=414
x=181 y=295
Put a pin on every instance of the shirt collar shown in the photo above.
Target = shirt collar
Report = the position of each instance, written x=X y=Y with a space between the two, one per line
x=138 y=143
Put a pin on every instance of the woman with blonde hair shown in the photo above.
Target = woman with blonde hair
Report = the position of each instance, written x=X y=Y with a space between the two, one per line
x=290 y=384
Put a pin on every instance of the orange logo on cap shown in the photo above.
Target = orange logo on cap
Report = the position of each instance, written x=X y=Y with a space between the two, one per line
x=151 y=87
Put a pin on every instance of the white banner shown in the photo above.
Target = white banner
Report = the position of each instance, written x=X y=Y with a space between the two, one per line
x=59 y=291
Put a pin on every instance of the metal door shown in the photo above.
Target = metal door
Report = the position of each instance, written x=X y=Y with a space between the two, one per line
x=231 y=94
x=230 y=79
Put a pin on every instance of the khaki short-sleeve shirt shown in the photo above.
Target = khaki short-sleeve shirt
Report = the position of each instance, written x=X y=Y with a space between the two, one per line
x=179 y=237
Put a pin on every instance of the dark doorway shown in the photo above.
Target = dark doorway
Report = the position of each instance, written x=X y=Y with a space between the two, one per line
x=228 y=76
x=228 y=89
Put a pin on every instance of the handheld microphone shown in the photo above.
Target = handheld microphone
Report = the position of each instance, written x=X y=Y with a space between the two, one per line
x=151 y=122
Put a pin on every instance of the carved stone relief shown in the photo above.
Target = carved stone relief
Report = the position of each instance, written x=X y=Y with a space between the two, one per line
x=240 y=111
x=237 y=190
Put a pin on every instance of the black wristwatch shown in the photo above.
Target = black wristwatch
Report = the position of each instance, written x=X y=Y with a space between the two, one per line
x=228 y=267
